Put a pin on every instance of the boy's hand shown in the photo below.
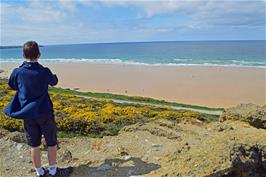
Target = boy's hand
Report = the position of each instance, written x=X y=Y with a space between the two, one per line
x=12 y=82
x=52 y=78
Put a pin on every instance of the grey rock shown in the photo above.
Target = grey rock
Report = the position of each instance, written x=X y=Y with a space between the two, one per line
x=247 y=160
x=65 y=156
x=104 y=167
x=19 y=146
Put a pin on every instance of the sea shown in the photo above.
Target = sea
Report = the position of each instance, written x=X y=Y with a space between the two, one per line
x=213 y=53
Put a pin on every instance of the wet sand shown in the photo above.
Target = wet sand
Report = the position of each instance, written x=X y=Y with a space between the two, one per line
x=213 y=86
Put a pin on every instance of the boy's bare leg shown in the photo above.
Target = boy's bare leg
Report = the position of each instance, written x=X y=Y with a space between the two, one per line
x=53 y=170
x=52 y=150
x=36 y=156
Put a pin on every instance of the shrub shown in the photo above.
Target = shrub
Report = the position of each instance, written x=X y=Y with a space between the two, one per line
x=97 y=117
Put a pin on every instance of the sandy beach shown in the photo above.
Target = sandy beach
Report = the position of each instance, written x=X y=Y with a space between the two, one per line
x=212 y=86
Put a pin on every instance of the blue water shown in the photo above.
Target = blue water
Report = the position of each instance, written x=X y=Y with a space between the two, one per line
x=229 y=53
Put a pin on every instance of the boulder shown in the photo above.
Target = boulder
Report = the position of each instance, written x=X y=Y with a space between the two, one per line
x=251 y=113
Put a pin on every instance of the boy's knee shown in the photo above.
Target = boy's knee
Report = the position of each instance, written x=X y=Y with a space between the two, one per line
x=52 y=147
x=33 y=145
x=37 y=148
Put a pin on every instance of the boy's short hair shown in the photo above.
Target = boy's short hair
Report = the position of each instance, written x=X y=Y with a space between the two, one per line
x=31 y=50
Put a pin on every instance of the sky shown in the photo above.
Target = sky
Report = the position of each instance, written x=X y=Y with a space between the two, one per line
x=100 y=21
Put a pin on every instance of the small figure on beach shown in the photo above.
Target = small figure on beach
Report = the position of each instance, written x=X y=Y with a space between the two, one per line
x=33 y=104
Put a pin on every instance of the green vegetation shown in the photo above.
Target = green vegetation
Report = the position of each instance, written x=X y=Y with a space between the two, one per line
x=131 y=98
x=95 y=117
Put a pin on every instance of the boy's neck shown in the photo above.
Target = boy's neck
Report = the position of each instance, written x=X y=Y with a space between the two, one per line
x=31 y=61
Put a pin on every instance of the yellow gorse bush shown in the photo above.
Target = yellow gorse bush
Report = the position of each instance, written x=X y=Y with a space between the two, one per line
x=92 y=116
x=5 y=95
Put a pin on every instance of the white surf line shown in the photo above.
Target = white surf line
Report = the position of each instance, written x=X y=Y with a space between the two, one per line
x=218 y=113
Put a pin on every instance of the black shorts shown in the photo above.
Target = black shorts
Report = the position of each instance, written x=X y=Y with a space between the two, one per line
x=35 y=128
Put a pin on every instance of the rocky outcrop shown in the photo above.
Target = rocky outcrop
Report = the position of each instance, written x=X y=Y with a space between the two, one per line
x=161 y=127
x=248 y=160
x=251 y=113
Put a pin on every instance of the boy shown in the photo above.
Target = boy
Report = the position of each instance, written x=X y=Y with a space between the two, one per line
x=32 y=104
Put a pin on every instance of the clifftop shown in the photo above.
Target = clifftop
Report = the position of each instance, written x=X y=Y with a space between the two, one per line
x=236 y=146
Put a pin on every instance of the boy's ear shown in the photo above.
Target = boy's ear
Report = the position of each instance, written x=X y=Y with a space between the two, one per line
x=39 y=56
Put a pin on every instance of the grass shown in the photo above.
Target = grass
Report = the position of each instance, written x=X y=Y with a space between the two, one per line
x=111 y=130
x=131 y=98
x=67 y=134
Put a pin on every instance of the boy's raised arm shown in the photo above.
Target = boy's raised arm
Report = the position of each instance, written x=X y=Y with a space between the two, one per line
x=52 y=78
x=12 y=82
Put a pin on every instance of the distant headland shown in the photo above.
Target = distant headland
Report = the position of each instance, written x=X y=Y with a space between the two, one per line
x=14 y=46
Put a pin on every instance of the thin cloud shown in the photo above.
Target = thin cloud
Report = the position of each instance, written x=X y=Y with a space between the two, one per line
x=80 y=21
x=211 y=12
x=69 y=5
x=34 y=11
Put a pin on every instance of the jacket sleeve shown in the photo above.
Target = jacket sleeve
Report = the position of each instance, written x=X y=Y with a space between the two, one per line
x=52 y=78
x=12 y=82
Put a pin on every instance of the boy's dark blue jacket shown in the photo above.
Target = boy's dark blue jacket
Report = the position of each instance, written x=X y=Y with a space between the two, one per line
x=31 y=100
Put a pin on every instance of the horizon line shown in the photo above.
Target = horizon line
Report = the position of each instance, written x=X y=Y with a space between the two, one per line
x=123 y=42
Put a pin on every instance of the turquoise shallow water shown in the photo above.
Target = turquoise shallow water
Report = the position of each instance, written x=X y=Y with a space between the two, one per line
x=225 y=53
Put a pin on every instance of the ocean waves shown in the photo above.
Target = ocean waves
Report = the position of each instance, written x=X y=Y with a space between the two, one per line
x=169 y=62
